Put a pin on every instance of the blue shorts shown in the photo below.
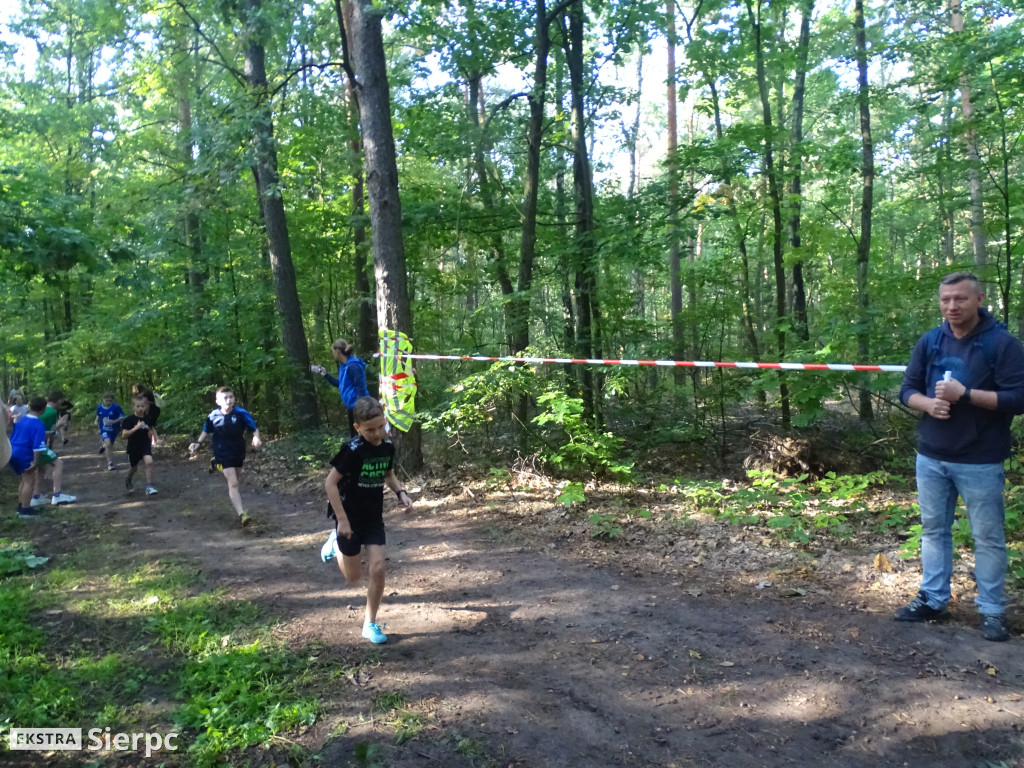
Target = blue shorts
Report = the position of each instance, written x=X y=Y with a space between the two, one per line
x=21 y=461
x=109 y=434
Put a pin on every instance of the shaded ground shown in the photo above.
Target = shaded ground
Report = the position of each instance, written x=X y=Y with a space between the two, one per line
x=524 y=642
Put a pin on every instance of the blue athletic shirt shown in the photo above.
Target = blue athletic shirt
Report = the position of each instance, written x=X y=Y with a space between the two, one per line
x=227 y=432
x=29 y=436
x=108 y=416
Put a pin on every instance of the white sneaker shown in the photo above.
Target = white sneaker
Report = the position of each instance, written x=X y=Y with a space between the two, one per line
x=38 y=501
x=110 y=465
x=62 y=498
x=330 y=547
x=150 y=490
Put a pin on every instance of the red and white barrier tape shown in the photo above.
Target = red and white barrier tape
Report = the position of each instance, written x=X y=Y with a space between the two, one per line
x=669 y=363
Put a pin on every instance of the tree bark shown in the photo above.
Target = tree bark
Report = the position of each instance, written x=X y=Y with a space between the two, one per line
x=867 y=200
x=978 y=237
x=775 y=197
x=393 y=308
x=366 y=331
x=796 y=166
x=293 y=335
x=675 y=269
x=588 y=301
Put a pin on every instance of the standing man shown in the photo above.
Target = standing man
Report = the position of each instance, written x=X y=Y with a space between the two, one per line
x=967 y=378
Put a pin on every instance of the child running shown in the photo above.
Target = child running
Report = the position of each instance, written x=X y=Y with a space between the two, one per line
x=50 y=415
x=16 y=401
x=227 y=425
x=29 y=455
x=355 y=489
x=108 y=418
x=139 y=444
x=64 y=409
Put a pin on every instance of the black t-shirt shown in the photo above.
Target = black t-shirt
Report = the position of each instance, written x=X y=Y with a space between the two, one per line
x=363 y=468
x=137 y=441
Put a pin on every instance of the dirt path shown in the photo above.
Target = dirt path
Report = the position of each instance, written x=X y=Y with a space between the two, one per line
x=526 y=653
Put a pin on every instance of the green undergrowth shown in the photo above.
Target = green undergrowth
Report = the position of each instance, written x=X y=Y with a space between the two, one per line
x=801 y=510
x=88 y=638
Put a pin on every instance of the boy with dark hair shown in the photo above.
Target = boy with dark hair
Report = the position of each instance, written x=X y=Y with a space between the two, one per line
x=355 y=502
x=227 y=425
x=139 y=443
x=29 y=454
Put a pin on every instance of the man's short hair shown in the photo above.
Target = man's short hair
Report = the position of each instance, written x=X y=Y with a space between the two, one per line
x=958 y=277
x=221 y=390
x=37 y=404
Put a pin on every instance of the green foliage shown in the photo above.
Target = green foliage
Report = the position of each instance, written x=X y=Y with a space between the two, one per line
x=241 y=696
x=367 y=755
x=17 y=558
x=793 y=509
x=232 y=694
x=407 y=723
x=605 y=526
x=569 y=442
x=586 y=448
x=572 y=494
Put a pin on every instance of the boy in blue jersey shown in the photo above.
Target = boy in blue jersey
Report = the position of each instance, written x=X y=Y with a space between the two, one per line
x=108 y=418
x=29 y=454
x=355 y=502
x=226 y=425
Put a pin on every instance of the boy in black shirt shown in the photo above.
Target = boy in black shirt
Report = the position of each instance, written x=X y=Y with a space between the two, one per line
x=139 y=435
x=355 y=488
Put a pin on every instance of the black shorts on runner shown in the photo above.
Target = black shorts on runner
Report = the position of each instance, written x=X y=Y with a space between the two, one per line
x=135 y=456
x=219 y=463
x=353 y=545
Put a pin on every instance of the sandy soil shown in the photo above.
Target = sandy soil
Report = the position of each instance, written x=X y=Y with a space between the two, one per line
x=522 y=641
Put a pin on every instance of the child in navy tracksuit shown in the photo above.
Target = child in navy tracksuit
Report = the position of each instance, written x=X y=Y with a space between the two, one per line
x=226 y=425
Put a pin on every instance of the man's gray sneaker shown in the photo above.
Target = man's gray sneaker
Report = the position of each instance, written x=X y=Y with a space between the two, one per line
x=996 y=628
x=919 y=610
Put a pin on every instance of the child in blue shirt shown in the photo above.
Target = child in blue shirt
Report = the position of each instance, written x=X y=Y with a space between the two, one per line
x=108 y=418
x=226 y=425
x=29 y=454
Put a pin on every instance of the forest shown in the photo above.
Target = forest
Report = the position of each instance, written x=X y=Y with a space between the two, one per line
x=605 y=565
x=188 y=193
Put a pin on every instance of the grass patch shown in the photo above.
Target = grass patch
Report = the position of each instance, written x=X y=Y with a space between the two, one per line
x=143 y=630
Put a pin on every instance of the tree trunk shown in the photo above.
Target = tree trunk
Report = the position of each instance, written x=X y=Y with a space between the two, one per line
x=775 y=197
x=366 y=331
x=978 y=236
x=498 y=259
x=1003 y=187
x=866 y=204
x=675 y=269
x=293 y=335
x=796 y=166
x=393 y=310
x=583 y=195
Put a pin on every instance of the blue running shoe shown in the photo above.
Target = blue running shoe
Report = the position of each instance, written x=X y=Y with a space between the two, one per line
x=373 y=632
x=29 y=513
x=330 y=547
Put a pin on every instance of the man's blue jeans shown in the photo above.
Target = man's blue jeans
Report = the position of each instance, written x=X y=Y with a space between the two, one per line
x=981 y=487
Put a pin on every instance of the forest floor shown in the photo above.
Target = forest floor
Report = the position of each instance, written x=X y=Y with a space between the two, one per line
x=519 y=639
